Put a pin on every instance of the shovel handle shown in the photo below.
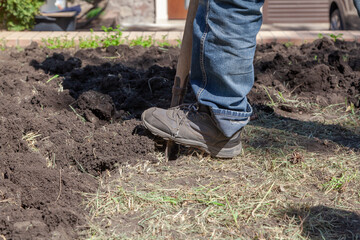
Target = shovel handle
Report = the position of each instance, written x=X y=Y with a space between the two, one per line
x=182 y=72
x=184 y=61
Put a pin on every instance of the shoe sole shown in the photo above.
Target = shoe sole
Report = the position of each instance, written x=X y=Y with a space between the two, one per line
x=213 y=151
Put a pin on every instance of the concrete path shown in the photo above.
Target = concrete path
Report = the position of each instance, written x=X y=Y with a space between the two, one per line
x=23 y=39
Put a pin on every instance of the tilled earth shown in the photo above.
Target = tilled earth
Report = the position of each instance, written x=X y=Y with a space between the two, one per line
x=68 y=117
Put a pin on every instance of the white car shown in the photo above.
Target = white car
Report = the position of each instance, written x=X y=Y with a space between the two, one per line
x=343 y=15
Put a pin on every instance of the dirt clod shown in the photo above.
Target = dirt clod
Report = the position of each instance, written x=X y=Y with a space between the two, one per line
x=95 y=104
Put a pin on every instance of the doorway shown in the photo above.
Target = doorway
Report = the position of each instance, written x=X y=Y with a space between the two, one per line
x=177 y=9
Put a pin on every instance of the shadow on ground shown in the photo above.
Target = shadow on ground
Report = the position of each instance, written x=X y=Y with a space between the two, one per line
x=323 y=222
x=308 y=129
x=111 y=87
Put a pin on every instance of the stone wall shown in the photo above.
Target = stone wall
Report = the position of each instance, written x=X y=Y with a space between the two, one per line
x=133 y=11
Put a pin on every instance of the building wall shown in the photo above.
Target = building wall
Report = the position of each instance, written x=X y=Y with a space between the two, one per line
x=133 y=11
x=292 y=11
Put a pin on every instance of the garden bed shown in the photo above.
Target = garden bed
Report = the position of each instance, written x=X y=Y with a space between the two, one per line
x=70 y=118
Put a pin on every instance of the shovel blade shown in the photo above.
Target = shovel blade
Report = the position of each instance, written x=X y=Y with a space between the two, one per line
x=172 y=151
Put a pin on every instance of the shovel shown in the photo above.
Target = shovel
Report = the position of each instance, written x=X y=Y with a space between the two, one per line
x=182 y=73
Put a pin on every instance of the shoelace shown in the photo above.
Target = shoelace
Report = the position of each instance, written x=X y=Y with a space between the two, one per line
x=180 y=110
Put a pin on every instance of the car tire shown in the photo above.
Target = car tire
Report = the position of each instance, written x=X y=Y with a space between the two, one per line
x=336 y=22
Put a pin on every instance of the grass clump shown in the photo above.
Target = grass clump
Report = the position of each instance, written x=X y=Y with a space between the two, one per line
x=163 y=42
x=338 y=183
x=2 y=44
x=288 y=44
x=113 y=37
x=58 y=43
x=142 y=41
x=89 y=42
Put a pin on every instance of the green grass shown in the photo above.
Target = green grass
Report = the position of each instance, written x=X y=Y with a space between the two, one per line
x=52 y=78
x=113 y=37
x=58 y=43
x=90 y=42
x=163 y=42
x=142 y=41
x=339 y=183
x=77 y=114
x=288 y=44
x=2 y=44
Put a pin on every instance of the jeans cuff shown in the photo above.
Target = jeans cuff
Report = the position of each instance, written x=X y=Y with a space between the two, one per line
x=233 y=114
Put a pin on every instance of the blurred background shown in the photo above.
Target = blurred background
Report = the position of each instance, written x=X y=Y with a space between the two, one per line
x=68 y=15
x=278 y=14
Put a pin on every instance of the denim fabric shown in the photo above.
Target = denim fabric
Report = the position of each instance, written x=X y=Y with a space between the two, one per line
x=357 y=5
x=222 y=71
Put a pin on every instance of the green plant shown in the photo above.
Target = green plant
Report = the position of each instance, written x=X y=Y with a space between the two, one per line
x=336 y=37
x=113 y=36
x=77 y=114
x=94 y=13
x=90 y=42
x=288 y=44
x=163 y=42
x=351 y=108
x=58 y=43
x=19 y=49
x=268 y=94
x=281 y=97
x=338 y=183
x=141 y=41
x=320 y=36
x=179 y=42
x=18 y=15
x=52 y=78
x=2 y=44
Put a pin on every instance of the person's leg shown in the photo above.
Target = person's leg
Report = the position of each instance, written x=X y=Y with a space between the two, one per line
x=357 y=5
x=221 y=75
x=222 y=71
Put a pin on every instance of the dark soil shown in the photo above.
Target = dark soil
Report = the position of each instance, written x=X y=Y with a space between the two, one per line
x=68 y=117
x=323 y=72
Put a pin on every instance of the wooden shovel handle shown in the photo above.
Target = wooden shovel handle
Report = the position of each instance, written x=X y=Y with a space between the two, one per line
x=184 y=61
x=182 y=72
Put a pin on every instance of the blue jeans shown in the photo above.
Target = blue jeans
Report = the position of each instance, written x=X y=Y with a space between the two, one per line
x=222 y=71
x=357 y=5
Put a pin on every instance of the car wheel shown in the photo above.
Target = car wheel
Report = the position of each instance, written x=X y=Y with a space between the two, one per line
x=335 y=21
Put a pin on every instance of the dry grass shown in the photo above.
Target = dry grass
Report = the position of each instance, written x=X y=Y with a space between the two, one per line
x=31 y=139
x=296 y=179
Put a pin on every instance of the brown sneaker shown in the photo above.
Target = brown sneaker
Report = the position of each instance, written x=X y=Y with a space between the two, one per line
x=192 y=126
